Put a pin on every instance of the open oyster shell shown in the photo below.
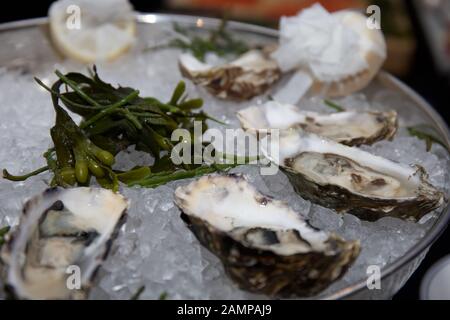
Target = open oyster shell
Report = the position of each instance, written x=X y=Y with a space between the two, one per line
x=351 y=128
x=265 y=246
x=61 y=228
x=349 y=179
x=248 y=76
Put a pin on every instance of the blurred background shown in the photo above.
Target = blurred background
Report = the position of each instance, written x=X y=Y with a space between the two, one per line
x=417 y=33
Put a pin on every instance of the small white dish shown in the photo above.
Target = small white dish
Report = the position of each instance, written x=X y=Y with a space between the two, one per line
x=436 y=283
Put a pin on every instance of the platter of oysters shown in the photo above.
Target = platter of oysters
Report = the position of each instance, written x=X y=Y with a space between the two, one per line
x=163 y=156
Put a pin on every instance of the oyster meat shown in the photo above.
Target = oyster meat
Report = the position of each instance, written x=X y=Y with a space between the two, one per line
x=248 y=76
x=349 y=179
x=62 y=233
x=351 y=127
x=264 y=245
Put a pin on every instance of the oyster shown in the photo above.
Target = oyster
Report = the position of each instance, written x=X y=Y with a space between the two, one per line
x=61 y=228
x=265 y=246
x=248 y=76
x=349 y=179
x=350 y=127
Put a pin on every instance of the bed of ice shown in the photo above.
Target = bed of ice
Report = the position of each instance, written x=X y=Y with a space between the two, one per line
x=154 y=248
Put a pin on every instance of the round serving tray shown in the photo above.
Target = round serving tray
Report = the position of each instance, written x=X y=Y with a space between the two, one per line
x=23 y=45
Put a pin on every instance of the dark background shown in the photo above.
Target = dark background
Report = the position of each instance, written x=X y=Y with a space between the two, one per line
x=422 y=77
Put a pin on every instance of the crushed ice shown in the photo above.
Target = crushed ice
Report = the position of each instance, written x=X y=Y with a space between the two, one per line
x=154 y=248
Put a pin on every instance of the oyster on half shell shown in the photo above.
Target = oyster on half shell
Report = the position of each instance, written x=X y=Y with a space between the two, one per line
x=248 y=76
x=61 y=228
x=265 y=246
x=349 y=179
x=351 y=128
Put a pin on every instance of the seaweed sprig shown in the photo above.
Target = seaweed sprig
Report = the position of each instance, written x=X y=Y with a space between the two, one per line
x=428 y=134
x=219 y=41
x=334 y=105
x=163 y=296
x=160 y=178
x=112 y=120
x=138 y=293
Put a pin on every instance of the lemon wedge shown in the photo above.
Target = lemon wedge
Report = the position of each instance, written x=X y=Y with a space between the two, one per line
x=92 y=31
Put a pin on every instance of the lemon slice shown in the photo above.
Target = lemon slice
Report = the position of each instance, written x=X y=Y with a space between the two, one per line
x=92 y=31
